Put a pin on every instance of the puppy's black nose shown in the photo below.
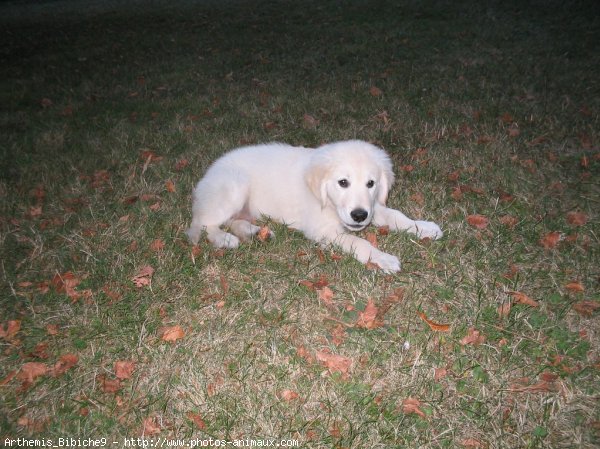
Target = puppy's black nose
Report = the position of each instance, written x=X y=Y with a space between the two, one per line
x=359 y=215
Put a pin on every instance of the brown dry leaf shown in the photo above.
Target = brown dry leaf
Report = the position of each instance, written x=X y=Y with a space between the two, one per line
x=478 y=221
x=172 y=333
x=288 y=395
x=509 y=221
x=413 y=406
x=334 y=363
x=31 y=371
x=522 y=298
x=196 y=419
x=504 y=309
x=10 y=376
x=472 y=443
x=124 y=369
x=369 y=318
x=439 y=373
x=263 y=234
x=433 y=325
x=157 y=245
x=181 y=164
x=371 y=237
x=12 y=327
x=325 y=294
x=170 y=186
x=542 y=386
x=52 y=329
x=150 y=426
x=575 y=286
x=513 y=130
x=309 y=121
x=143 y=276
x=550 y=240
x=66 y=283
x=586 y=308
x=473 y=337
x=375 y=91
x=64 y=363
x=108 y=385
x=338 y=335
x=577 y=218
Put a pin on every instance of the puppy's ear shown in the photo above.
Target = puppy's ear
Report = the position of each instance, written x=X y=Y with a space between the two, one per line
x=316 y=178
x=387 y=175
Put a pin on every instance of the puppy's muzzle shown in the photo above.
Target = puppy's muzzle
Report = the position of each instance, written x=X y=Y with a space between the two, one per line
x=359 y=215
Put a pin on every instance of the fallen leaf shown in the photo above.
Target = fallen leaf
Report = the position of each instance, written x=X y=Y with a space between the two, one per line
x=32 y=370
x=181 y=164
x=586 y=308
x=288 y=395
x=170 y=186
x=263 y=234
x=157 y=245
x=143 y=276
x=550 y=240
x=10 y=376
x=64 y=363
x=196 y=419
x=371 y=237
x=338 y=335
x=575 y=286
x=12 y=327
x=472 y=442
x=150 y=426
x=334 y=363
x=124 y=369
x=52 y=329
x=577 y=218
x=325 y=294
x=309 y=121
x=433 y=325
x=375 y=91
x=509 y=221
x=172 y=333
x=540 y=387
x=368 y=318
x=478 y=221
x=504 y=309
x=413 y=406
x=108 y=385
x=439 y=373
x=473 y=337
x=522 y=298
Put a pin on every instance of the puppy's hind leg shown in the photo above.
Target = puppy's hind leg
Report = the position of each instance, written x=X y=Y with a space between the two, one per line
x=216 y=199
x=245 y=230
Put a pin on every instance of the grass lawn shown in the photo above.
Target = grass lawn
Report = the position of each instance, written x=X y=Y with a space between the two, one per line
x=113 y=326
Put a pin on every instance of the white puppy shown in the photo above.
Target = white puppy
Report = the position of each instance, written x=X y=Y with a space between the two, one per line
x=321 y=192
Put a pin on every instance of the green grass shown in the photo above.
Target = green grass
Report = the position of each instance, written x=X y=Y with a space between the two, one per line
x=85 y=96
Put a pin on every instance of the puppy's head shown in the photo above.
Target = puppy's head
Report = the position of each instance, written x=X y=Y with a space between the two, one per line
x=350 y=177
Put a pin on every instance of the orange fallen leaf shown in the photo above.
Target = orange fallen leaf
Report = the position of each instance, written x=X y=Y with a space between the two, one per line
x=371 y=237
x=577 y=218
x=439 y=373
x=575 y=286
x=375 y=91
x=325 y=294
x=522 y=298
x=368 y=318
x=263 y=234
x=12 y=327
x=196 y=419
x=334 y=363
x=64 y=363
x=181 y=164
x=172 y=333
x=472 y=443
x=309 y=121
x=509 y=221
x=540 y=387
x=473 y=337
x=433 y=325
x=32 y=370
x=504 y=309
x=52 y=329
x=170 y=186
x=288 y=395
x=586 y=308
x=157 y=245
x=124 y=369
x=10 y=376
x=150 y=426
x=108 y=385
x=478 y=221
x=338 y=335
x=412 y=406
x=550 y=240
x=143 y=276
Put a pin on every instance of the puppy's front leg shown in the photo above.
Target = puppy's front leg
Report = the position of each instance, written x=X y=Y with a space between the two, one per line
x=364 y=252
x=397 y=221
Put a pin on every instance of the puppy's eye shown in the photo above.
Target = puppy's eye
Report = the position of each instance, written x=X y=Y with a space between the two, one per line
x=344 y=183
x=370 y=184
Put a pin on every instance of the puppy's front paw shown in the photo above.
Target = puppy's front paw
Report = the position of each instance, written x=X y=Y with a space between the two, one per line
x=387 y=262
x=428 y=229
